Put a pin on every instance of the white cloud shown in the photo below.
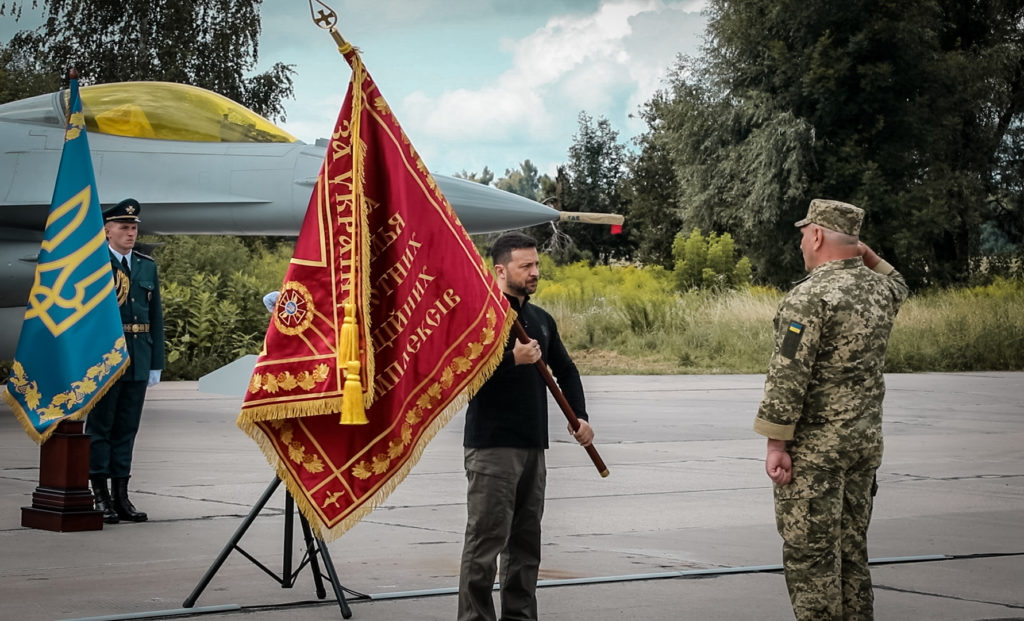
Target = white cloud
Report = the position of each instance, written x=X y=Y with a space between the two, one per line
x=605 y=62
x=467 y=102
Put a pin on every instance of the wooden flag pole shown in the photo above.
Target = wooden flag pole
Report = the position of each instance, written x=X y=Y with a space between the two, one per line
x=556 y=392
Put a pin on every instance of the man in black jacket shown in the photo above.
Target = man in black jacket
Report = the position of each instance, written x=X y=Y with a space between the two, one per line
x=506 y=435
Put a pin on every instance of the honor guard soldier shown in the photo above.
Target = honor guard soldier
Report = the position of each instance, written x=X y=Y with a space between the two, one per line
x=822 y=412
x=114 y=422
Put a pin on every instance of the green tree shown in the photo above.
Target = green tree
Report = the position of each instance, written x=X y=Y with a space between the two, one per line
x=651 y=192
x=908 y=110
x=207 y=43
x=592 y=180
x=484 y=177
x=21 y=73
x=1004 y=232
x=524 y=182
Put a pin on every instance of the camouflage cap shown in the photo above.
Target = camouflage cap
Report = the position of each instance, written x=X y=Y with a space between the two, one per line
x=841 y=217
x=127 y=210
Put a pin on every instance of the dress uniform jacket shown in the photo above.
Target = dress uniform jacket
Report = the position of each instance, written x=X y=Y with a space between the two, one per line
x=138 y=296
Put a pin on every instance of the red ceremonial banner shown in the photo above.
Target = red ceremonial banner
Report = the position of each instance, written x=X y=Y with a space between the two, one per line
x=426 y=322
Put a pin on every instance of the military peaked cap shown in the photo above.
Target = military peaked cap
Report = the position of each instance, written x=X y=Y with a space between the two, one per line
x=841 y=217
x=127 y=210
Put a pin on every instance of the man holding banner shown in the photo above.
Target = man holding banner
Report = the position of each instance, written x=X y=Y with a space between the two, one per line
x=506 y=435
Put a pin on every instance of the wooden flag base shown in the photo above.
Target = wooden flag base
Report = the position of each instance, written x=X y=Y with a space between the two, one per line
x=63 y=501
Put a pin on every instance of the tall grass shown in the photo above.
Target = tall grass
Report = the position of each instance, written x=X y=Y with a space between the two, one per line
x=975 y=329
x=618 y=320
x=622 y=320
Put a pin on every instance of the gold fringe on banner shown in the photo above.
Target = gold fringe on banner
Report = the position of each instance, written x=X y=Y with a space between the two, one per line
x=328 y=534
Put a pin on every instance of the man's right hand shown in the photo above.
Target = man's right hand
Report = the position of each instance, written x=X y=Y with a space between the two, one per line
x=869 y=256
x=526 y=353
x=777 y=463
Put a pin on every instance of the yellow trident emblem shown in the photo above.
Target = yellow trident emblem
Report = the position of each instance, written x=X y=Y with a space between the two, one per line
x=55 y=289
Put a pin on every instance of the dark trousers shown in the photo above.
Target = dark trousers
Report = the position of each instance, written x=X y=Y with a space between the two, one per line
x=823 y=516
x=112 y=426
x=505 y=502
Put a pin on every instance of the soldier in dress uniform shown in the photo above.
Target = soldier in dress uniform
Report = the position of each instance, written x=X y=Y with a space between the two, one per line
x=114 y=422
x=822 y=412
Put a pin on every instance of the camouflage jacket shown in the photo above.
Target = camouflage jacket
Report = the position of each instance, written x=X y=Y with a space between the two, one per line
x=824 y=386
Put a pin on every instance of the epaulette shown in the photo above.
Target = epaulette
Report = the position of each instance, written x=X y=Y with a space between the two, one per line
x=143 y=256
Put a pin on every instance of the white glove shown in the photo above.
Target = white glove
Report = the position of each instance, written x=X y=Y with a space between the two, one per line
x=270 y=300
x=154 y=378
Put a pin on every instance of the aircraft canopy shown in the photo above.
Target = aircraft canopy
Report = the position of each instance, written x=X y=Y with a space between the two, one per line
x=155 y=110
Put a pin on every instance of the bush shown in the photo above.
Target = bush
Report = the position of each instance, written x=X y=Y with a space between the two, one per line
x=708 y=262
x=213 y=288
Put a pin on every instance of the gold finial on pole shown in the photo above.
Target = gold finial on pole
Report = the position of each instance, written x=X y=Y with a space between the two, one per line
x=327 y=19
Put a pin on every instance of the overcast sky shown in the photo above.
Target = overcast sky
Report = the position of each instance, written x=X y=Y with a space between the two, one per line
x=482 y=82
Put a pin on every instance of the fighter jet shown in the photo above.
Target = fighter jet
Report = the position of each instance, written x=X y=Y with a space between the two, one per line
x=199 y=162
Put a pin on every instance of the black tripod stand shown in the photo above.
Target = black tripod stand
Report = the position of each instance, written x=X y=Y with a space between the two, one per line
x=287 y=577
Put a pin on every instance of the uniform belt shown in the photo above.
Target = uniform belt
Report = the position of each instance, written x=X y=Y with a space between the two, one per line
x=136 y=328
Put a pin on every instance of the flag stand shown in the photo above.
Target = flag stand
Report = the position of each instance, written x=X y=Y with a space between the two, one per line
x=63 y=502
x=287 y=578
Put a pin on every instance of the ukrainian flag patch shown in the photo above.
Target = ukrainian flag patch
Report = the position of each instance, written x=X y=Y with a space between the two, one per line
x=791 y=342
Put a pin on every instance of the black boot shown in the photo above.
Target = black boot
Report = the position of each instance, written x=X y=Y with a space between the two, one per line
x=101 y=495
x=124 y=507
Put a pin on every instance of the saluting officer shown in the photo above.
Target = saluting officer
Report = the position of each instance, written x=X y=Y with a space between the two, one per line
x=822 y=412
x=114 y=422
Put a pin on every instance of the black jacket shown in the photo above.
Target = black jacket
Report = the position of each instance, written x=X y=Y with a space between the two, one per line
x=511 y=408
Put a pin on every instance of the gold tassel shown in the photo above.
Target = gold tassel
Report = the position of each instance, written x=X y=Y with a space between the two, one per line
x=352 y=412
x=348 y=348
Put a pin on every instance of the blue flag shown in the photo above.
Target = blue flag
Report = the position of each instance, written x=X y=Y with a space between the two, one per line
x=72 y=346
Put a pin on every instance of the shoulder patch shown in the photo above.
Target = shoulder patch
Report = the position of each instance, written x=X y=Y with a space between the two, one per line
x=791 y=342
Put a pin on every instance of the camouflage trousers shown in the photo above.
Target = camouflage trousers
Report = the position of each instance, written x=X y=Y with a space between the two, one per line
x=823 y=516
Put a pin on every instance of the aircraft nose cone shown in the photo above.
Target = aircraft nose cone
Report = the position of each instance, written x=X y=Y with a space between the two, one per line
x=483 y=209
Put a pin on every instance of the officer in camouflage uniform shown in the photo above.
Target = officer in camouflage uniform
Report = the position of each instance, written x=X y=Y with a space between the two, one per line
x=822 y=412
x=114 y=422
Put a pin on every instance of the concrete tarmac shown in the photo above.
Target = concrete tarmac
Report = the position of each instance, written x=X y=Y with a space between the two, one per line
x=682 y=528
